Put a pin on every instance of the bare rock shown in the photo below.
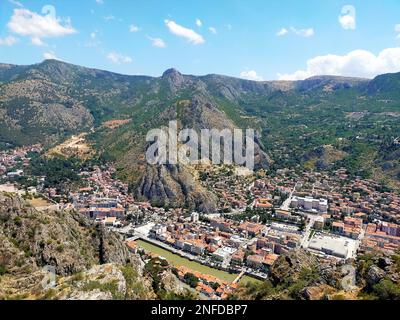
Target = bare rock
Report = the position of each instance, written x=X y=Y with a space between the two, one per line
x=374 y=275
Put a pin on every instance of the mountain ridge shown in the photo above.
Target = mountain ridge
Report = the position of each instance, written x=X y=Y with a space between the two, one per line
x=50 y=101
x=173 y=69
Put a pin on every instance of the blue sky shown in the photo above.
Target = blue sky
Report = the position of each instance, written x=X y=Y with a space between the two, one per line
x=256 y=39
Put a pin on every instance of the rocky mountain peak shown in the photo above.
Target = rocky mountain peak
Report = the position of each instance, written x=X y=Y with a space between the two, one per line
x=174 y=78
x=172 y=72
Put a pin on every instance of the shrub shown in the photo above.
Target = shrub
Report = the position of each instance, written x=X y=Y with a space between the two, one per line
x=3 y=270
x=387 y=290
x=18 y=221
x=191 y=279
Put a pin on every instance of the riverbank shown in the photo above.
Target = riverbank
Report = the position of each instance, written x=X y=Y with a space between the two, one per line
x=177 y=260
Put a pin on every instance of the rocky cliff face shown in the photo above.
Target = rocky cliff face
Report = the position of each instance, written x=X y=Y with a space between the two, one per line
x=296 y=264
x=373 y=268
x=104 y=282
x=89 y=262
x=174 y=186
x=62 y=239
x=302 y=276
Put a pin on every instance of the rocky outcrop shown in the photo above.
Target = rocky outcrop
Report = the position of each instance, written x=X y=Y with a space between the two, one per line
x=65 y=240
x=57 y=238
x=171 y=283
x=289 y=266
x=317 y=292
x=111 y=249
x=89 y=261
x=174 y=186
x=103 y=282
x=174 y=79
x=384 y=262
x=374 y=275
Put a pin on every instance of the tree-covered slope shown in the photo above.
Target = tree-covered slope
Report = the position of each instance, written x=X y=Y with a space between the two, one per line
x=354 y=121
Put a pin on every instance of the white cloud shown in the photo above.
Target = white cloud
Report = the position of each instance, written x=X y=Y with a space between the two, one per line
x=157 y=42
x=308 y=32
x=282 y=32
x=186 y=33
x=50 y=56
x=347 y=19
x=31 y=24
x=133 y=28
x=118 y=58
x=347 y=22
x=100 y=1
x=8 y=41
x=16 y=3
x=212 y=30
x=199 y=23
x=37 y=42
x=251 y=75
x=397 y=29
x=303 y=32
x=357 y=63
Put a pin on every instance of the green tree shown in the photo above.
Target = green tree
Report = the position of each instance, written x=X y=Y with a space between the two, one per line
x=387 y=290
x=3 y=270
x=191 y=279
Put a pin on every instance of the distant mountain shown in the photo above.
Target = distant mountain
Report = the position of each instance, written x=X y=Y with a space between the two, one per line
x=356 y=117
x=384 y=84
x=331 y=83
x=54 y=98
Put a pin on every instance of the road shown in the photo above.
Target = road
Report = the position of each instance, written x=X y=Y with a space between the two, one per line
x=307 y=233
x=239 y=276
x=286 y=204
x=252 y=195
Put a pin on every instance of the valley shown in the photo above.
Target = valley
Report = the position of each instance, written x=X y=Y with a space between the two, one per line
x=324 y=192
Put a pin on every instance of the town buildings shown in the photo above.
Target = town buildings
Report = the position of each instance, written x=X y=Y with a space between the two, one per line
x=310 y=204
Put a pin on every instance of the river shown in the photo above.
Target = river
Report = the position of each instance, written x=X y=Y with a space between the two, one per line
x=177 y=260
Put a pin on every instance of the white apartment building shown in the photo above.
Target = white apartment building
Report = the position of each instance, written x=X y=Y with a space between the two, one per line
x=310 y=204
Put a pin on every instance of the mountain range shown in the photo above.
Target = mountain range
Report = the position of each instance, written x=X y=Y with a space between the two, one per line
x=323 y=122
